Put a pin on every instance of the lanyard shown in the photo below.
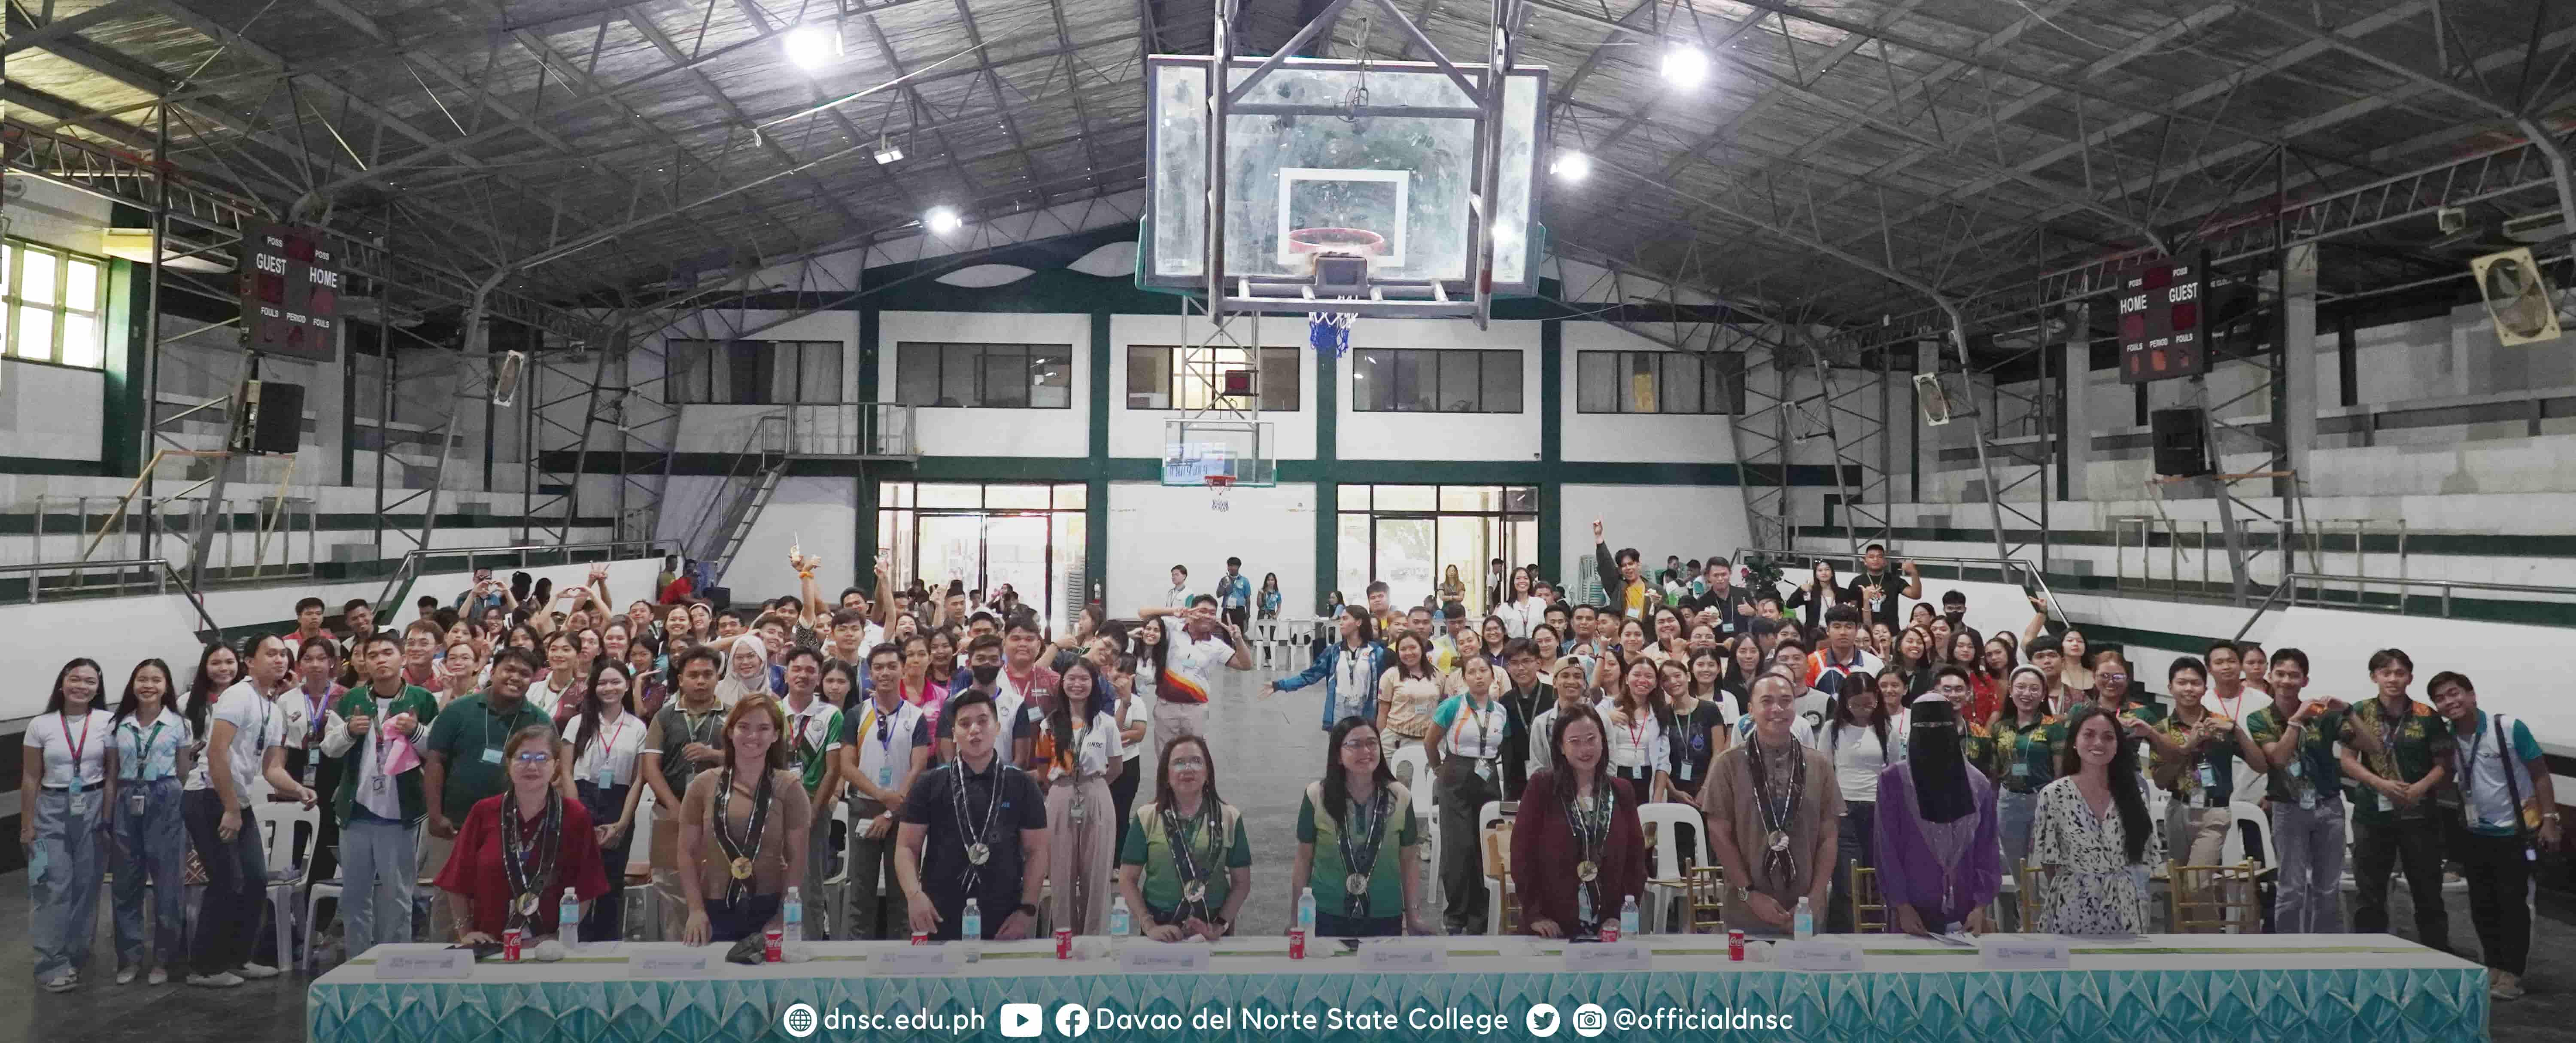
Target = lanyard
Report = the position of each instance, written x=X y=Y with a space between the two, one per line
x=381 y=732
x=142 y=745
x=313 y=715
x=608 y=746
x=78 y=745
x=1478 y=716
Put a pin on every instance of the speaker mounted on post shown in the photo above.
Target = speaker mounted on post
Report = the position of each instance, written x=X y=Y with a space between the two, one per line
x=268 y=417
x=2181 y=442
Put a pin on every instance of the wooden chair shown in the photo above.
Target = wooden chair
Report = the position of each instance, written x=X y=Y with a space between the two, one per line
x=1869 y=910
x=2032 y=879
x=1707 y=892
x=1503 y=914
x=2213 y=899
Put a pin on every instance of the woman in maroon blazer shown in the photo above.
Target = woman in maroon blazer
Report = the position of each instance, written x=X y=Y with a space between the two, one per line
x=1578 y=854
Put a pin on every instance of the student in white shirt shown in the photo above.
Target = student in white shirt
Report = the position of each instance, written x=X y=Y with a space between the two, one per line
x=63 y=794
x=813 y=739
x=1638 y=750
x=245 y=740
x=1568 y=675
x=1077 y=755
x=607 y=739
x=885 y=747
x=149 y=755
x=1179 y=596
x=1466 y=758
x=1188 y=677
x=1861 y=742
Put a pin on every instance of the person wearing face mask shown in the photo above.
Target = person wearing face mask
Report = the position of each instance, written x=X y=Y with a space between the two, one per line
x=2093 y=835
x=1937 y=833
x=1015 y=736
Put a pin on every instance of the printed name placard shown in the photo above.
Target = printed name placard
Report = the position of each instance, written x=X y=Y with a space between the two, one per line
x=1820 y=954
x=425 y=965
x=1626 y=954
x=1150 y=958
x=667 y=965
x=2022 y=952
x=916 y=959
x=1403 y=956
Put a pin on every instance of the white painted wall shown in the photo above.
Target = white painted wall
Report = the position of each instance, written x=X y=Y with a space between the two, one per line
x=1154 y=527
x=1693 y=521
x=1141 y=433
x=119 y=632
x=1626 y=438
x=51 y=412
x=1465 y=436
x=994 y=432
x=821 y=515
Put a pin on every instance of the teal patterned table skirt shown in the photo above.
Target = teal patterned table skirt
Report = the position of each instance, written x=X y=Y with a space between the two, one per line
x=2234 y=1006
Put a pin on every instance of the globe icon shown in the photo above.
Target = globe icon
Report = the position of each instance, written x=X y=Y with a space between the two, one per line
x=799 y=1021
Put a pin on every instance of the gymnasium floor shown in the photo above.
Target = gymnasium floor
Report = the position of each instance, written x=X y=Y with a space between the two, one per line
x=1266 y=751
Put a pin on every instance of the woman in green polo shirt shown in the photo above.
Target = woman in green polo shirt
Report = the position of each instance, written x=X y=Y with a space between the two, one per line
x=1358 y=841
x=2026 y=742
x=1187 y=865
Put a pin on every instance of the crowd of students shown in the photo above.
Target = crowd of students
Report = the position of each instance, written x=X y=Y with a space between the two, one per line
x=501 y=745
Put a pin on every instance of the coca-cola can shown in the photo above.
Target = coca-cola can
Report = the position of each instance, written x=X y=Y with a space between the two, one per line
x=773 y=945
x=1610 y=931
x=510 y=944
x=1064 y=943
x=1735 y=946
x=1296 y=943
x=920 y=937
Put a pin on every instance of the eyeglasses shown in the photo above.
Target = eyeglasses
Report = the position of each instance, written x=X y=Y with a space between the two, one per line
x=1359 y=744
x=535 y=757
x=2113 y=677
x=1192 y=764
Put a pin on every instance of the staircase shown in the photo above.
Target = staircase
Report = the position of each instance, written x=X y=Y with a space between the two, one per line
x=852 y=431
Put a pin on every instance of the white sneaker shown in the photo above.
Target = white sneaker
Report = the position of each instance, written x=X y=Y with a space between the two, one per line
x=255 y=971
x=61 y=983
x=159 y=976
x=215 y=981
x=125 y=975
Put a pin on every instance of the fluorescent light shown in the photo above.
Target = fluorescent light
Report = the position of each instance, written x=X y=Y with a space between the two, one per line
x=1685 y=67
x=942 y=220
x=812 y=46
x=1571 y=166
x=887 y=151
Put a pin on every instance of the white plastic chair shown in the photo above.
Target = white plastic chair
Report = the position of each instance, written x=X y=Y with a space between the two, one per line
x=836 y=892
x=1658 y=822
x=314 y=893
x=2249 y=814
x=1418 y=761
x=280 y=820
x=643 y=848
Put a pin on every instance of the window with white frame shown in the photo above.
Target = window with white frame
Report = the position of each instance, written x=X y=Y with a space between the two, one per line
x=753 y=372
x=55 y=303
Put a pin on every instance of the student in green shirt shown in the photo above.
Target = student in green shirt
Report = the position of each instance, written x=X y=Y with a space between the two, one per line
x=2391 y=793
x=379 y=811
x=2298 y=740
x=813 y=752
x=1358 y=840
x=462 y=763
x=1187 y=865
x=2023 y=751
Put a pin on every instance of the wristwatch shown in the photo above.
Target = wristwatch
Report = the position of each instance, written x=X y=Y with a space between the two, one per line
x=1027 y=910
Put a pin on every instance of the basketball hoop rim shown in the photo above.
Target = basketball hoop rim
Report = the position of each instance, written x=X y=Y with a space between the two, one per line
x=1220 y=482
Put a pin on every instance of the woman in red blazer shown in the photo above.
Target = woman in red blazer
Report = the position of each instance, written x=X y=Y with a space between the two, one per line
x=1578 y=854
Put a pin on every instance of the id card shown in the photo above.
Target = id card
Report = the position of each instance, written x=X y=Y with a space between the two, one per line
x=2021 y=769
x=1686 y=771
x=491 y=756
x=885 y=776
x=2208 y=776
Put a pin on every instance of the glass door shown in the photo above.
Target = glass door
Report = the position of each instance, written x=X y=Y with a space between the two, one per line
x=1015 y=552
x=1405 y=558
x=951 y=548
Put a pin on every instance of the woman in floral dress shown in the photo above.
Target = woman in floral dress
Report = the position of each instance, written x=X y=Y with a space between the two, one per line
x=2093 y=835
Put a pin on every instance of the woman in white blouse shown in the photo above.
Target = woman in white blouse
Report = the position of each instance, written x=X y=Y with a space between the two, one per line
x=63 y=796
x=1077 y=757
x=607 y=737
x=1468 y=762
x=1860 y=740
x=1636 y=719
x=1523 y=609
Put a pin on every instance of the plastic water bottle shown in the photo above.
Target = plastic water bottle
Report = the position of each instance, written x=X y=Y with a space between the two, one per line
x=971 y=929
x=793 y=912
x=1805 y=921
x=1306 y=911
x=568 y=921
x=1628 y=918
x=1120 y=925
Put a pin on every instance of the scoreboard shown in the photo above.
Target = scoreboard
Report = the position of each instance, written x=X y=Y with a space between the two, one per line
x=290 y=288
x=2161 y=332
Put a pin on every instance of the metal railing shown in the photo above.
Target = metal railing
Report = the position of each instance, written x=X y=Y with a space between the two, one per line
x=124 y=577
x=869 y=429
x=2319 y=590
x=2186 y=538
x=111 y=524
x=2009 y=570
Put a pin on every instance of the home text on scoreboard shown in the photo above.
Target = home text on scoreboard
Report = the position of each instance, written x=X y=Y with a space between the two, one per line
x=290 y=285
x=2161 y=332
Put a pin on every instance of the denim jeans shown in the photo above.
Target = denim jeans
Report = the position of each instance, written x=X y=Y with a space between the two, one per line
x=153 y=846
x=63 y=875
x=376 y=867
x=2311 y=844
x=228 y=916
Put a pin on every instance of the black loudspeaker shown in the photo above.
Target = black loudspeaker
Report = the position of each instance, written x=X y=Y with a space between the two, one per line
x=2182 y=448
x=273 y=418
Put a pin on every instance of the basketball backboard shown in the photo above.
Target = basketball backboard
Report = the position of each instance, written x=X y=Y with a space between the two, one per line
x=1193 y=449
x=1328 y=156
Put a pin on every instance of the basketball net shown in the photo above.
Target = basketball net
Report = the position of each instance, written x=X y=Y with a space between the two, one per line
x=1219 y=484
x=1329 y=332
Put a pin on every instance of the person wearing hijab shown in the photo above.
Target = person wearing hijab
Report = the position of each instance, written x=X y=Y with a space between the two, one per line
x=746 y=669
x=1940 y=852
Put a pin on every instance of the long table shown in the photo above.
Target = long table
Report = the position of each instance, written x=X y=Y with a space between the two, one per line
x=2272 y=988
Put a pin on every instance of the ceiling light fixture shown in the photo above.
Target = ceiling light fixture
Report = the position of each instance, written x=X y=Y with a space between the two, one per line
x=1571 y=166
x=887 y=151
x=942 y=220
x=1685 y=67
x=812 y=46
